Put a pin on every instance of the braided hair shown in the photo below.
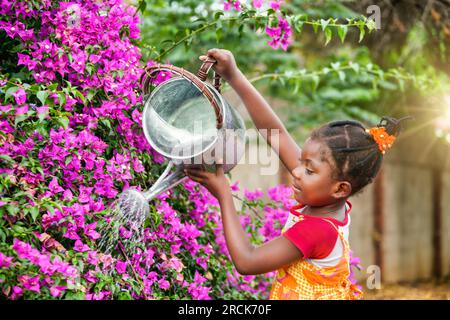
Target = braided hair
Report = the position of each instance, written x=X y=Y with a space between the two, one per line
x=357 y=158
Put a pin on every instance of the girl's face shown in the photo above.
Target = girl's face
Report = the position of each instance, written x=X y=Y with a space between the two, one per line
x=313 y=183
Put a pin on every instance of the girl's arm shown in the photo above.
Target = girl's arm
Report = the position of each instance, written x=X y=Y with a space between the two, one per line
x=260 y=111
x=247 y=258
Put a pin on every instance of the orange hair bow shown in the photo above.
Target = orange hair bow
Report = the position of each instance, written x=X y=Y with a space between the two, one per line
x=382 y=138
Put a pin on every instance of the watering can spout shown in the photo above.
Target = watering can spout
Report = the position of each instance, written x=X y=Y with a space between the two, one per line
x=165 y=181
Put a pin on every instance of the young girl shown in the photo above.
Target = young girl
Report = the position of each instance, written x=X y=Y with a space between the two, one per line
x=340 y=158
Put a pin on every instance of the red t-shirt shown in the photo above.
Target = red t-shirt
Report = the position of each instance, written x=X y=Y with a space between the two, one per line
x=314 y=236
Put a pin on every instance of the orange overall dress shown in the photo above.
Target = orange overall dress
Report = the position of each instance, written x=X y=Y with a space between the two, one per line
x=302 y=280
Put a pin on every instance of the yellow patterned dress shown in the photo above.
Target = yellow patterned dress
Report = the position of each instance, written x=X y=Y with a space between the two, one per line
x=303 y=280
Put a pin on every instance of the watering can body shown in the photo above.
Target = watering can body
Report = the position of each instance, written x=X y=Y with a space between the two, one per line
x=189 y=122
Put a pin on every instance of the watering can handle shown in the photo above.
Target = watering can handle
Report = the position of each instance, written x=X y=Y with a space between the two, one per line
x=202 y=73
x=198 y=81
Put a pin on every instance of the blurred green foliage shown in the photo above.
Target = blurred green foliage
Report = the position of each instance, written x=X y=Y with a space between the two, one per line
x=183 y=30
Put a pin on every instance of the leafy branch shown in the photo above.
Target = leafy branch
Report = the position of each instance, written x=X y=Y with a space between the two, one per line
x=259 y=21
x=339 y=69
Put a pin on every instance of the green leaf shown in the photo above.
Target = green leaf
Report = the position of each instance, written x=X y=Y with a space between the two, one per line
x=79 y=95
x=12 y=210
x=6 y=158
x=241 y=30
x=298 y=25
x=20 y=118
x=362 y=30
x=297 y=87
x=42 y=96
x=336 y=65
x=218 y=35
x=61 y=98
x=142 y=5
x=316 y=81
x=342 y=32
x=315 y=26
x=218 y=14
x=10 y=92
x=74 y=295
x=354 y=66
x=324 y=23
x=52 y=87
x=328 y=35
x=64 y=121
x=34 y=211
x=124 y=295
x=67 y=160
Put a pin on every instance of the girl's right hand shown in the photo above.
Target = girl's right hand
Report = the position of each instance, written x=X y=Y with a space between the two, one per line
x=226 y=64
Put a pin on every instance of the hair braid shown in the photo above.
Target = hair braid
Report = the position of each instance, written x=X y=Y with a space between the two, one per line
x=356 y=156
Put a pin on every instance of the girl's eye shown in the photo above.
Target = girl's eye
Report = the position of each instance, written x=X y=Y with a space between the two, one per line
x=308 y=171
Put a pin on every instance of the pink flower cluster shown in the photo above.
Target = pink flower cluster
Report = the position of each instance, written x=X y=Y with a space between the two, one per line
x=47 y=267
x=228 y=5
x=88 y=45
x=280 y=34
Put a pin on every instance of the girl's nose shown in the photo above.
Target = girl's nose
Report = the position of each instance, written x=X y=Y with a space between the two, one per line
x=296 y=173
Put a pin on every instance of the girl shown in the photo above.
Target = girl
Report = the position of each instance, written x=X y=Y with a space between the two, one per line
x=340 y=158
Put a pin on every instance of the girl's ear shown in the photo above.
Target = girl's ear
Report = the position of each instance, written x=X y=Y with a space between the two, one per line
x=343 y=189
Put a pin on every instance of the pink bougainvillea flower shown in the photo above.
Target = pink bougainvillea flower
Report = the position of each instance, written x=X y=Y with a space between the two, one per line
x=89 y=230
x=42 y=110
x=164 y=284
x=228 y=5
x=124 y=233
x=22 y=110
x=93 y=258
x=5 y=261
x=79 y=61
x=54 y=187
x=258 y=3
x=176 y=264
x=235 y=186
x=253 y=195
x=85 y=194
x=22 y=249
x=281 y=34
x=80 y=247
x=56 y=291
x=137 y=165
x=275 y=5
x=90 y=276
x=17 y=292
x=20 y=96
x=67 y=194
x=30 y=283
x=121 y=266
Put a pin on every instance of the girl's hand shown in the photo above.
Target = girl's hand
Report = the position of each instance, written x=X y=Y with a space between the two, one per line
x=216 y=182
x=226 y=64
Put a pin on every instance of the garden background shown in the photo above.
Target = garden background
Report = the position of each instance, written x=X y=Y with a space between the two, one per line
x=71 y=140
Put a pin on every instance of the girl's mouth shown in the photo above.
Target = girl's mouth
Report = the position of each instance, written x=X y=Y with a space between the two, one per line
x=296 y=189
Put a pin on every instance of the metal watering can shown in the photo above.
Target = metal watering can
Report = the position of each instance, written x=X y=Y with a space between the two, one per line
x=187 y=121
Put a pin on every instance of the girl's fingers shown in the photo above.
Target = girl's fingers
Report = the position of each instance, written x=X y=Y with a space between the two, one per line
x=195 y=173
x=199 y=180
x=219 y=169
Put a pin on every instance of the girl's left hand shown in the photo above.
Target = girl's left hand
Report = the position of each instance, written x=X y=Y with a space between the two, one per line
x=215 y=182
